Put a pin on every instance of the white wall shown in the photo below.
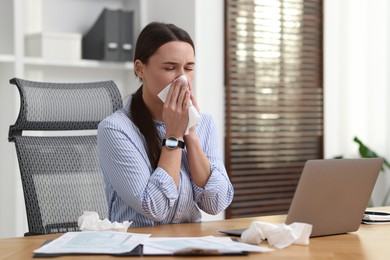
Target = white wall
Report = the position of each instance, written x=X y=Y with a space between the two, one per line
x=209 y=79
x=357 y=40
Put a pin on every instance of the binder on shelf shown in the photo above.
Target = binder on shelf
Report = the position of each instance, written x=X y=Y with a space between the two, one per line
x=111 y=37
x=126 y=36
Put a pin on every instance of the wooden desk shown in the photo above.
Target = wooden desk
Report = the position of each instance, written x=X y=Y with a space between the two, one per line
x=369 y=242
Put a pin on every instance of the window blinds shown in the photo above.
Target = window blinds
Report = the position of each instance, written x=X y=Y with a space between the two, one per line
x=274 y=100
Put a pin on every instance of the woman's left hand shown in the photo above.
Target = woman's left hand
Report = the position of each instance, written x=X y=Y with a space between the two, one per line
x=192 y=130
x=192 y=97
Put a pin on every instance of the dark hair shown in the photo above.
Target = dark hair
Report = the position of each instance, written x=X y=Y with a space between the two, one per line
x=151 y=38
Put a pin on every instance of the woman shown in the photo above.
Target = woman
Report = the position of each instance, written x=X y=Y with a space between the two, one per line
x=154 y=173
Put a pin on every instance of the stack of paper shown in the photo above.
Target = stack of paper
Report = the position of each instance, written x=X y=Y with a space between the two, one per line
x=122 y=243
x=92 y=242
x=376 y=217
x=198 y=246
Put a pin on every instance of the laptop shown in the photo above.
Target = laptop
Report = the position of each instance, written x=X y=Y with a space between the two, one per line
x=332 y=195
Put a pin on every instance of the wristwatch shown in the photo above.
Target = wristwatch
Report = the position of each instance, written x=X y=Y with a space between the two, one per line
x=172 y=143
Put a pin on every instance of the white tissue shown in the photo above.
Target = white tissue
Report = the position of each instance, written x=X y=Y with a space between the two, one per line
x=277 y=235
x=193 y=115
x=90 y=221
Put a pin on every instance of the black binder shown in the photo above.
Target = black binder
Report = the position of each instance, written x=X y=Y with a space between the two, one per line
x=126 y=36
x=111 y=37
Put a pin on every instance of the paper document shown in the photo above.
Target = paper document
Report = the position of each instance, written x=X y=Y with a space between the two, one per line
x=210 y=244
x=93 y=242
x=376 y=217
x=119 y=243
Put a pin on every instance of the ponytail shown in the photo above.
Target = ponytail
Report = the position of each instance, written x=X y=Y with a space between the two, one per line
x=142 y=118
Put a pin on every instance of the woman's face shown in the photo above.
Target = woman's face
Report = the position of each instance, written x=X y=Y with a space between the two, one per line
x=169 y=62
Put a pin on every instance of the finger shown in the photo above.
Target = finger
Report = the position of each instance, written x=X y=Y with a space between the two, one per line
x=173 y=93
x=191 y=90
x=193 y=99
x=186 y=101
x=169 y=95
x=183 y=96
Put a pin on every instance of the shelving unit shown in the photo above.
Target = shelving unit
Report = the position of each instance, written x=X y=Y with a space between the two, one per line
x=22 y=17
x=19 y=18
x=31 y=61
x=4 y=58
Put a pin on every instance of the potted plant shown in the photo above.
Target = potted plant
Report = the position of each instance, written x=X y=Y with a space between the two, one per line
x=366 y=152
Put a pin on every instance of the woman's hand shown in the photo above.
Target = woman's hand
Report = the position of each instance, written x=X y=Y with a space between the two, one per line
x=192 y=130
x=175 y=109
x=192 y=97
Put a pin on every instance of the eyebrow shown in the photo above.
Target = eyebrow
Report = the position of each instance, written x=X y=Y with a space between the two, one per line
x=174 y=63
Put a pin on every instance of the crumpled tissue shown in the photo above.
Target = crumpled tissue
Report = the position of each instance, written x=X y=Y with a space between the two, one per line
x=277 y=235
x=90 y=221
x=193 y=115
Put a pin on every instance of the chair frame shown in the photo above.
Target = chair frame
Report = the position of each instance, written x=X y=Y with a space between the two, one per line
x=23 y=124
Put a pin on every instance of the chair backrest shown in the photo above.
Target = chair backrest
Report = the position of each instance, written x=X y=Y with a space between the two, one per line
x=60 y=174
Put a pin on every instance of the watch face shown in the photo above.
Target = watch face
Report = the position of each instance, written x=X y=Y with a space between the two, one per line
x=171 y=143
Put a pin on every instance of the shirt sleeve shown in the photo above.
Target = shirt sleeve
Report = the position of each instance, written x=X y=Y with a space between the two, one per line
x=218 y=192
x=127 y=169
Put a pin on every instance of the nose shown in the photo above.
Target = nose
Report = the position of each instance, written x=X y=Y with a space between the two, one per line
x=180 y=74
x=184 y=79
x=182 y=70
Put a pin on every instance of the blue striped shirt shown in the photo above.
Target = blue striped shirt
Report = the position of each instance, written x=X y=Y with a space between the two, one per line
x=150 y=197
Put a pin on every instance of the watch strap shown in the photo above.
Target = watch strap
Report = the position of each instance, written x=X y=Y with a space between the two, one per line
x=180 y=143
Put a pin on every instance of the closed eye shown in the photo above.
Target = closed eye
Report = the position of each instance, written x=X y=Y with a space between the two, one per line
x=189 y=66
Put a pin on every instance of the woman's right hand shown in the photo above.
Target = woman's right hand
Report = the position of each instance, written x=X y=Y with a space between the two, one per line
x=175 y=109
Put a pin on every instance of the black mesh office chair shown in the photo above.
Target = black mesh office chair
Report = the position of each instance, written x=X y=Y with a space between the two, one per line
x=61 y=176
